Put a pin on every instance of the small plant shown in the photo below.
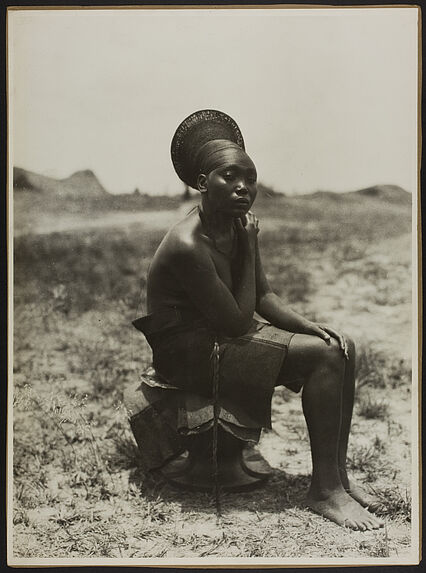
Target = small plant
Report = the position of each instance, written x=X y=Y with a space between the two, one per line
x=373 y=409
x=378 y=546
x=83 y=456
x=394 y=502
x=370 y=460
x=399 y=373
x=370 y=367
x=378 y=370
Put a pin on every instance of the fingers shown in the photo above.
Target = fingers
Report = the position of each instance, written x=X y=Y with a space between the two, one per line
x=345 y=348
x=326 y=337
x=323 y=334
x=343 y=344
x=340 y=339
x=253 y=220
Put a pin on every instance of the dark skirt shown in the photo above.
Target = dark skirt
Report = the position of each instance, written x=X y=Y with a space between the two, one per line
x=175 y=398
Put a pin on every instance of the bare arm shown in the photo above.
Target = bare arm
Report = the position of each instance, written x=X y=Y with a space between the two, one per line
x=194 y=268
x=273 y=309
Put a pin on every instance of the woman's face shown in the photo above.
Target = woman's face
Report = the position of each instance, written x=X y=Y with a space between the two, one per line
x=232 y=187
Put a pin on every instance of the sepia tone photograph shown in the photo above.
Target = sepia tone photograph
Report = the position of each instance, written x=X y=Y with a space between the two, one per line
x=213 y=221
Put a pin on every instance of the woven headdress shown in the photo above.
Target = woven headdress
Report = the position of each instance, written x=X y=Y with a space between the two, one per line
x=194 y=132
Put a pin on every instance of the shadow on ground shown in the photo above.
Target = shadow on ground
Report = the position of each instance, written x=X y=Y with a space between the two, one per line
x=282 y=491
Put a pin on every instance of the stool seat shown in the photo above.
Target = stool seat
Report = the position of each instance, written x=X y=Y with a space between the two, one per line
x=239 y=467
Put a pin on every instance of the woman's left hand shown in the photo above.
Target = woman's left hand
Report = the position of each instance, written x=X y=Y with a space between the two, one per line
x=324 y=328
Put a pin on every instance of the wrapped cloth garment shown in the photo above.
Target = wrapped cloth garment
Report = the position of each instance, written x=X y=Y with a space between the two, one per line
x=175 y=397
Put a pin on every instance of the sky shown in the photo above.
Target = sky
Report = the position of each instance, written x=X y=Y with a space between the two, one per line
x=326 y=99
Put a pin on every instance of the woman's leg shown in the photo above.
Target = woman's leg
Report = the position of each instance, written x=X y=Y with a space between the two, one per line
x=350 y=485
x=322 y=365
x=348 y=393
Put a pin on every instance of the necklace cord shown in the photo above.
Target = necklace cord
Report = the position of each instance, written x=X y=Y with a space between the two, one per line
x=210 y=234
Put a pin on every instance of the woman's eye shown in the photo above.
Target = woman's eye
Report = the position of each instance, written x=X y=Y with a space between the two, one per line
x=228 y=175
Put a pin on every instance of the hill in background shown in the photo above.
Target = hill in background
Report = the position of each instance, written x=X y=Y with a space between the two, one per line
x=82 y=191
x=387 y=193
x=80 y=184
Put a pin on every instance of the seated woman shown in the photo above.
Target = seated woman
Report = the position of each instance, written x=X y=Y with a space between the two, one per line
x=205 y=282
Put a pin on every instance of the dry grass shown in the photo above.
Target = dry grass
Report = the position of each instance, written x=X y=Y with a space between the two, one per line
x=79 y=490
x=371 y=408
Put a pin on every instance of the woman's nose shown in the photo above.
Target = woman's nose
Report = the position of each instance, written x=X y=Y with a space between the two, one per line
x=241 y=187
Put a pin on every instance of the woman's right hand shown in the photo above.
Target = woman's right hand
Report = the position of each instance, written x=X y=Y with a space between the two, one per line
x=248 y=227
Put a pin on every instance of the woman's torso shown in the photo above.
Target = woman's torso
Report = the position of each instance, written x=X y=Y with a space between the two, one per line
x=163 y=287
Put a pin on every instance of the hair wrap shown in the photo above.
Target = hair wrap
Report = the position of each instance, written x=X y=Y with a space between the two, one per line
x=216 y=153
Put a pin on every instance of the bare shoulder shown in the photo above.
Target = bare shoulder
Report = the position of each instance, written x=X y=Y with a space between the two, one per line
x=184 y=240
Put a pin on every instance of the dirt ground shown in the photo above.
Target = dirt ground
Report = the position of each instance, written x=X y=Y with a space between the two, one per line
x=78 y=488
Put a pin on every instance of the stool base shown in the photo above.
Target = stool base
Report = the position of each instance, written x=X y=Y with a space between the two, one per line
x=239 y=468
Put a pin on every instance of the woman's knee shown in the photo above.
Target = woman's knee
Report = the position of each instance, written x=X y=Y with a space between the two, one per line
x=331 y=355
x=309 y=354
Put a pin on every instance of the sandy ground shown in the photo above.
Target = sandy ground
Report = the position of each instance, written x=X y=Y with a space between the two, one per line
x=348 y=300
x=151 y=220
x=275 y=509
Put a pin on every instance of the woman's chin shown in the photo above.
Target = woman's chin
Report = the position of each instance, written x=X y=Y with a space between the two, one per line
x=239 y=210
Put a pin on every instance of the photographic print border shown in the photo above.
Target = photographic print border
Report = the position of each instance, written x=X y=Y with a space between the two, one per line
x=417 y=274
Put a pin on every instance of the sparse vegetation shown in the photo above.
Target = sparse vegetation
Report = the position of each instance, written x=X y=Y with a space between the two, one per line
x=78 y=488
x=395 y=502
x=371 y=408
x=376 y=369
x=371 y=460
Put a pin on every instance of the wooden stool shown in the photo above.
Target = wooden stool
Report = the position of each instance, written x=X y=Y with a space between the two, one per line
x=239 y=467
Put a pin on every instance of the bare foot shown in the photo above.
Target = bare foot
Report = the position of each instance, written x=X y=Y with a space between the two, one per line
x=361 y=494
x=341 y=508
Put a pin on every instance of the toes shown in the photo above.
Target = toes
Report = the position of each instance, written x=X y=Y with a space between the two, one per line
x=365 y=522
x=375 y=521
x=358 y=526
x=349 y=523
x=361 y=524
x=369 y=524
x=376 y=524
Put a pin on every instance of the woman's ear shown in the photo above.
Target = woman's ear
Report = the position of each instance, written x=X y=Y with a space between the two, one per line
x=202 y=183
